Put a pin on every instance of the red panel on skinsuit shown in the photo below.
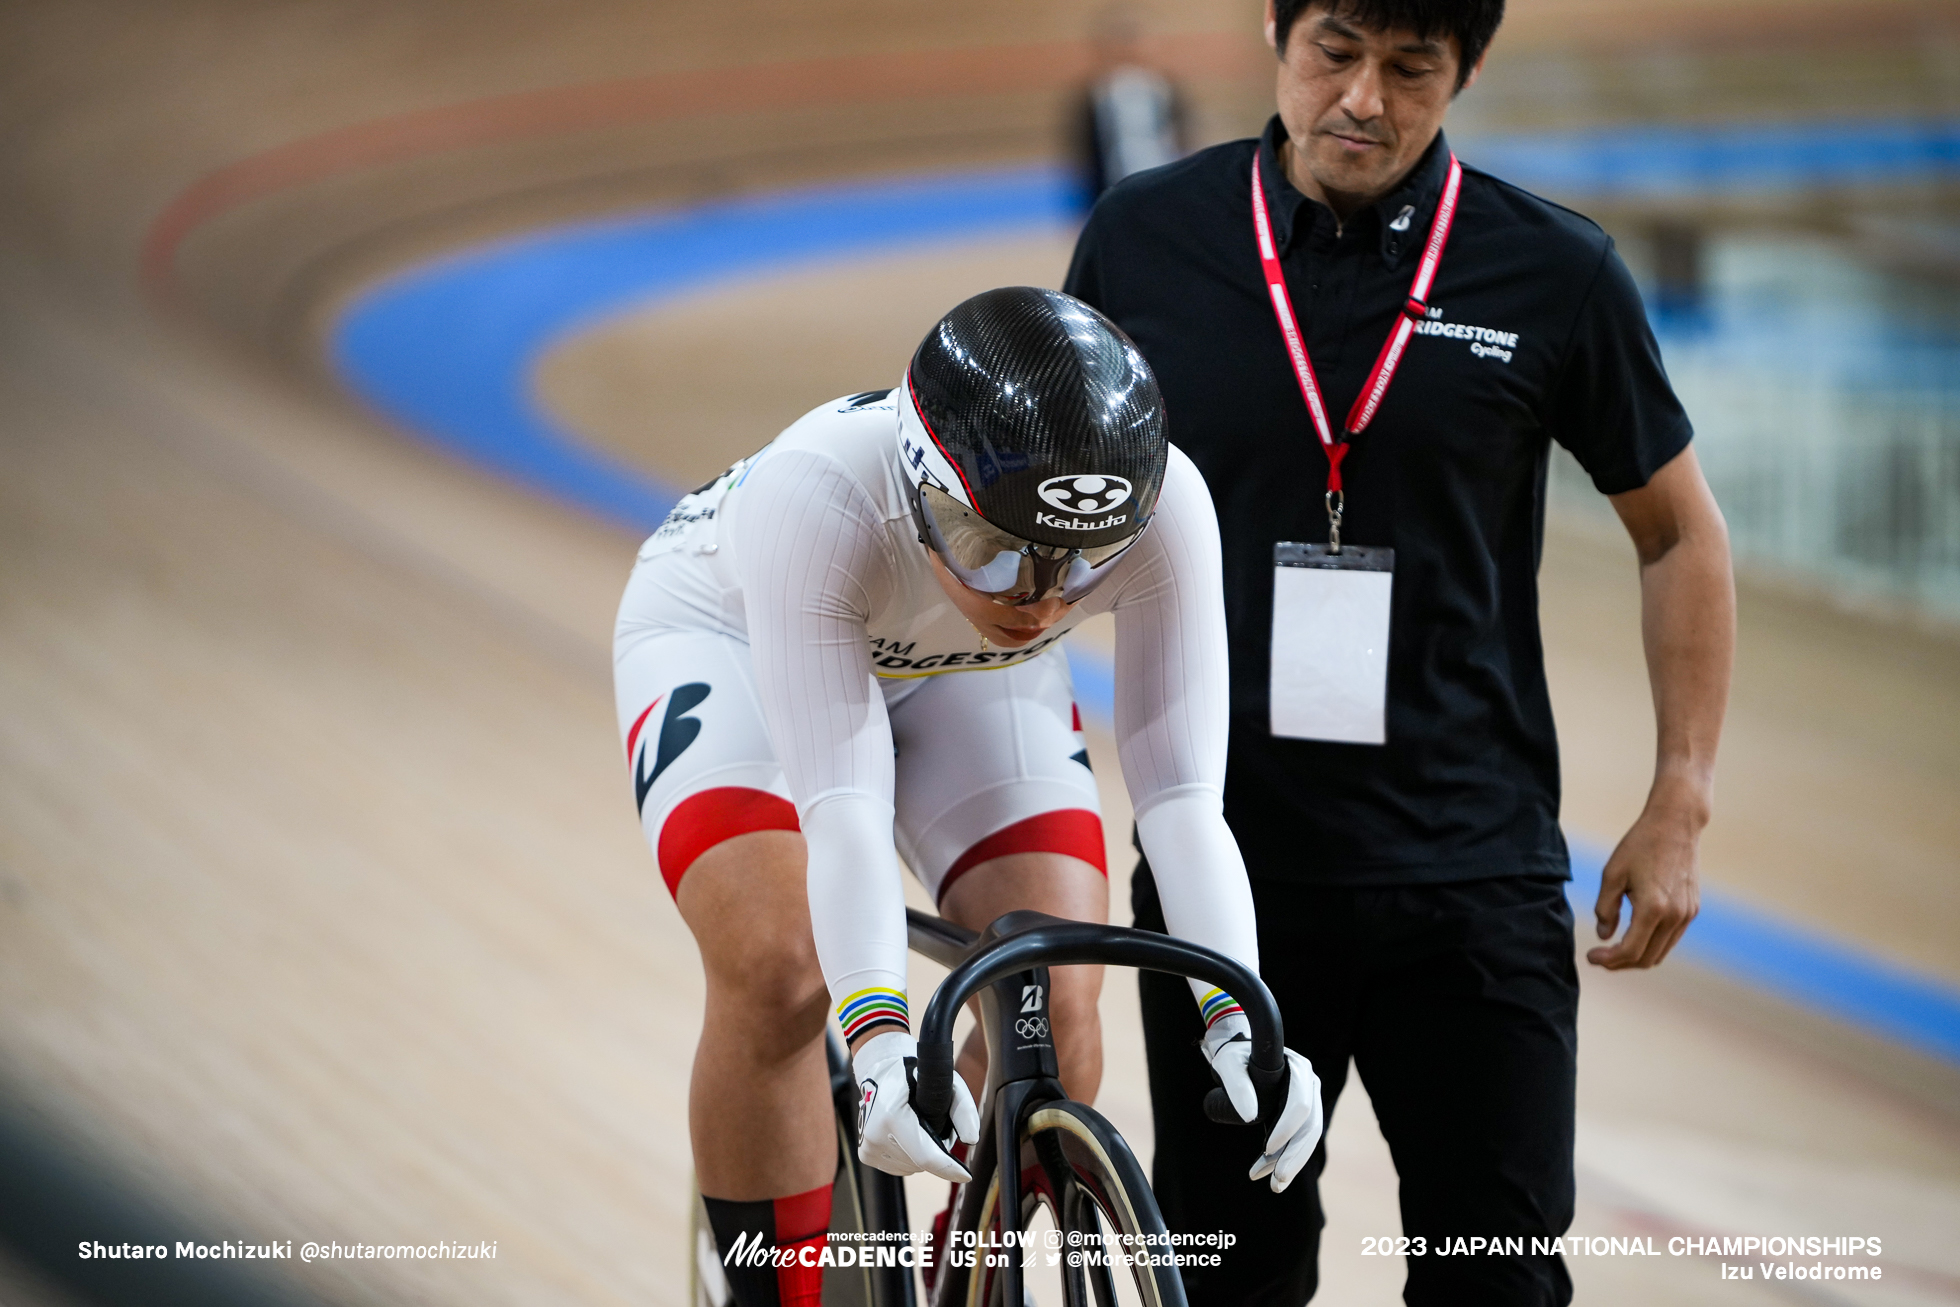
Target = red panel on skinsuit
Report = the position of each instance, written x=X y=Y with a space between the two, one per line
x=701 y=821
x=1076 y=832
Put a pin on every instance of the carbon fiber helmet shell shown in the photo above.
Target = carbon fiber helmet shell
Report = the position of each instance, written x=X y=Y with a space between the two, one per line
x=1038 y=413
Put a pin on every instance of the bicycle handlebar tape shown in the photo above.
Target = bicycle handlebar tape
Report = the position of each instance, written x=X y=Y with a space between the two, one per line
x=1218 y=1106
x=932 y=1089
x=1271 y=1088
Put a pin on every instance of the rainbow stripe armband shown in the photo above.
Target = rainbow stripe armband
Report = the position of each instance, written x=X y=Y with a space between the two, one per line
x=872 y=1007
x=1216 y=1005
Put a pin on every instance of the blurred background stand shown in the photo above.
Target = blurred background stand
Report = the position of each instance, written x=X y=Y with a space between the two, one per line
x=1131 y=116
x=1678 y=269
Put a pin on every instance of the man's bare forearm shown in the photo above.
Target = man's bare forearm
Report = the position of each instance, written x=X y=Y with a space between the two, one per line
x=1687 y=619
x=1688 y=629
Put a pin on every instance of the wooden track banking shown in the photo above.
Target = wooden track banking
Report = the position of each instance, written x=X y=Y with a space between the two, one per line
x=321 y=902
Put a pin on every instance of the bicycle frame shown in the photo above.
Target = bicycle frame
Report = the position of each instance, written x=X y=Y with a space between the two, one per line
x=1006 y=966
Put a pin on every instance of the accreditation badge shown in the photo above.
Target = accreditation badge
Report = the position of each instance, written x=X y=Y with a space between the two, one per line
x=1330 y=642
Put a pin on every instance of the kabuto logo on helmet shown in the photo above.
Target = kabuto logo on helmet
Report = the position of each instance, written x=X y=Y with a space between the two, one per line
x=1084 y=494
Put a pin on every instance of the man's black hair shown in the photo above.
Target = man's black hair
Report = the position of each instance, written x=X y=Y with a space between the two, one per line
x=1471 y=22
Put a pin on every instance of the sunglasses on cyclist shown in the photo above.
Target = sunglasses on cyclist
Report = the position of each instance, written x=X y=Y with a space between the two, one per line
x=1006 y=568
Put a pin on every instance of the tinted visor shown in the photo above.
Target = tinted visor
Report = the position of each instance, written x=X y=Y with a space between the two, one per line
x=1004 y=567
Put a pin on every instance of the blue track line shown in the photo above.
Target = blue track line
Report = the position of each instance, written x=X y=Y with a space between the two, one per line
x=448 y=349
x=1709 y=161
x=1797 y=964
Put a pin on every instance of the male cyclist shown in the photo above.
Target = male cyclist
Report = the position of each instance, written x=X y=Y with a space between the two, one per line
x=853 y=635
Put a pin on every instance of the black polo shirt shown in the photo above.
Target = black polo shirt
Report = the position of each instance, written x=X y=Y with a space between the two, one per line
x=1536 y=333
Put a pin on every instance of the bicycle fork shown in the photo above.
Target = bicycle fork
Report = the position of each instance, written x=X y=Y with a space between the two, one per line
x=1022 y=1075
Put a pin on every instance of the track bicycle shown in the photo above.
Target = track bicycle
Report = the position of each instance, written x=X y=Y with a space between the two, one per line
x=1037 y=1147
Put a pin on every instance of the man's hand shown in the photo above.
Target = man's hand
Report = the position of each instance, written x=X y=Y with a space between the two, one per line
x=890 y=1135
x=1654 y=868
x=1228 y=1047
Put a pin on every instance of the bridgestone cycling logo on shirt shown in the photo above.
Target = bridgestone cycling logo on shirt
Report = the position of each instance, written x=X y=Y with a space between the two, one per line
x=1083 y=493
x=1485 y=342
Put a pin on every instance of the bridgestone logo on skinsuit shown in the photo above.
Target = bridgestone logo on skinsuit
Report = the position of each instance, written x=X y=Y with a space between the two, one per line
x=676 y=733
x=891 y=656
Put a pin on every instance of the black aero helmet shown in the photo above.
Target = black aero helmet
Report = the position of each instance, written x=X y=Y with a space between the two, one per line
x=1030 y=425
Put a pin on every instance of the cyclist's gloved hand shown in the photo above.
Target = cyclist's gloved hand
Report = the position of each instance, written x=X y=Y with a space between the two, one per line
x=1228 y=1047
x=1296 y=1132
x=891 y=1136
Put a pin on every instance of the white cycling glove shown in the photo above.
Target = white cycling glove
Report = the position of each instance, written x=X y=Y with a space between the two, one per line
x=1228 y=1047
x=890 y=1135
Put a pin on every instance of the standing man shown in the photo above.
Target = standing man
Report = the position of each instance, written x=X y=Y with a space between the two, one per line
x=1368 y=356
x=1131 y=117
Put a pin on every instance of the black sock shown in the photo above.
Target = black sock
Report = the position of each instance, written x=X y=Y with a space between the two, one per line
x=740 y=1227
x=771 y=1249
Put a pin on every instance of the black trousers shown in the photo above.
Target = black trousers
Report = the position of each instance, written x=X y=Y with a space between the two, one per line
x=1458 y=1005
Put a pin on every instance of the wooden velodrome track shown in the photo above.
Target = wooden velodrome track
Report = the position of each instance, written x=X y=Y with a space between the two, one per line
x=321 y=905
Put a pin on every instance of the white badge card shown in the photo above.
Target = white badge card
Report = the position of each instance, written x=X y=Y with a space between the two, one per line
x=1330 y=642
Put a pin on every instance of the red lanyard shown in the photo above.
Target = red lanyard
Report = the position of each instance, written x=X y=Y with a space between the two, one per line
x=1370 y=398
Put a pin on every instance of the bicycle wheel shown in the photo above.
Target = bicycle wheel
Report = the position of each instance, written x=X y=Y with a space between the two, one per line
x=1074 y=1162
x=707 y=1283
